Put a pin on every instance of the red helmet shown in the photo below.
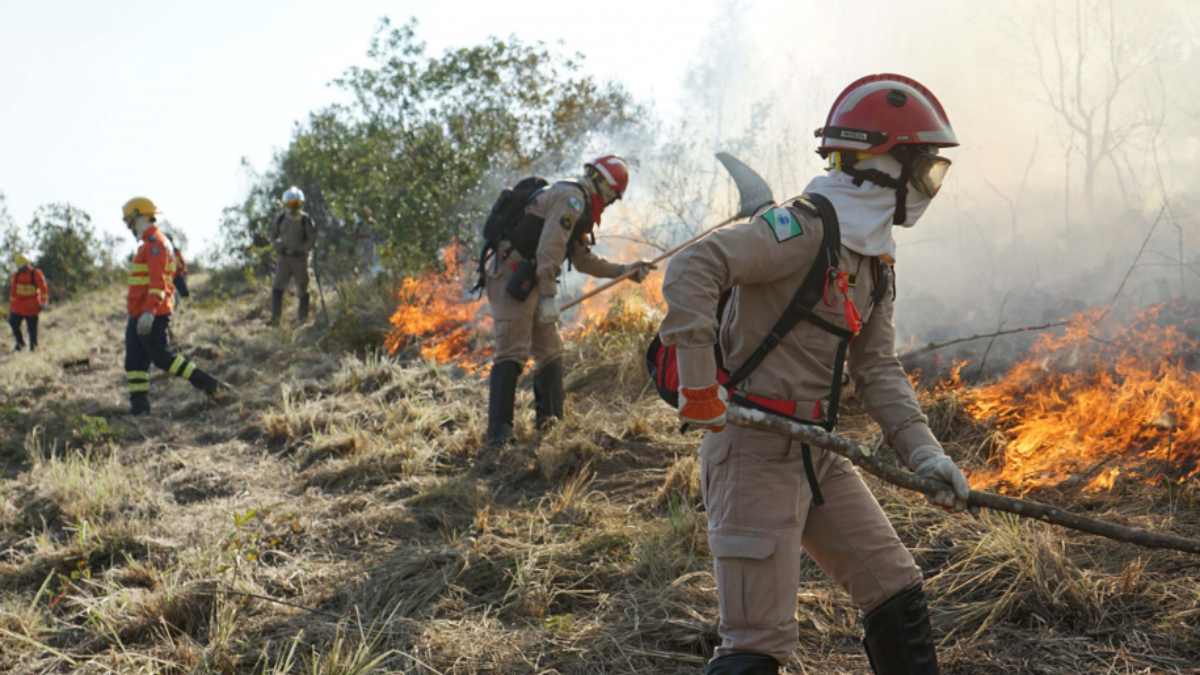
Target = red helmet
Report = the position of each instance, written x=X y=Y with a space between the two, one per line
x=878 y=112
x=613 y=171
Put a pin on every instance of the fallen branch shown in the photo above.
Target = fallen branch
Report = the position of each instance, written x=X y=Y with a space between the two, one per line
x=866 y=459
x=76 y=363
x=934 y=346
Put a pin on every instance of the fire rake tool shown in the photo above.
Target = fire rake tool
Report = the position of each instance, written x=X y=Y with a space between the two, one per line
x=866 y=459
x=753 y=193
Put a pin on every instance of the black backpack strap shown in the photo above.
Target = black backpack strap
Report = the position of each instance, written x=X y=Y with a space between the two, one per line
x=810 y=292
x=807 y=295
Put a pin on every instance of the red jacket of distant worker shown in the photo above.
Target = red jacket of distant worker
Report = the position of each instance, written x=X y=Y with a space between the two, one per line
x=28 y=292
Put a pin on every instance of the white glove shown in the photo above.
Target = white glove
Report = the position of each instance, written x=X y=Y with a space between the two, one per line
x=930 y=461
x=145 y=323
x=547 y=309
x=641 y=269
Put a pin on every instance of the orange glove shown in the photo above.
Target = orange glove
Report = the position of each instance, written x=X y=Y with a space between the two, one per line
x=703 y=407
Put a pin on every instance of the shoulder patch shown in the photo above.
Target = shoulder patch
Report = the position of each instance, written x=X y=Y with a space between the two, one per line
x=575 y=204
x=155 y=250
x=567 y=221
x=783 y=224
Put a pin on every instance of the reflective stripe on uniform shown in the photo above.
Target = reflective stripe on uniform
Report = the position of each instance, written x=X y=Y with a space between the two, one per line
x=26 y=289
x=134 y=268
x=178 y=363
x=139 y=380
x=187 y=371
x=139 y=281
x=158 y=292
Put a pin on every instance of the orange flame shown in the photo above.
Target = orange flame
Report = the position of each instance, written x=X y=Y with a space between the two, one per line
x=434 y=315
x=626 y=307
x=1081 y=410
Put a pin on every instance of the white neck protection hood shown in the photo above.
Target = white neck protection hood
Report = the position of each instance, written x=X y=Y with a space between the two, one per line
x=140 y=225
x=865 y=211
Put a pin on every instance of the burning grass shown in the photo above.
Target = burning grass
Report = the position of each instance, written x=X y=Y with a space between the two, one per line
x=1087 y=410
x=434 y=317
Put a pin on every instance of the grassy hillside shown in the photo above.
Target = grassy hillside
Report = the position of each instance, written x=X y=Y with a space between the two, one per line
x=340 y=517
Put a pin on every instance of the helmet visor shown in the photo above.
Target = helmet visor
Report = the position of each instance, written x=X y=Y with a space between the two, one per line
x=928 y=173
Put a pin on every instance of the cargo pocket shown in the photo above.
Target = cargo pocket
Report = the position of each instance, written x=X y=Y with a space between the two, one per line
x=746 y=579
x=714 y=453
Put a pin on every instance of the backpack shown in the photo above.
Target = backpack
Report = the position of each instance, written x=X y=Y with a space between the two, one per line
x=509 y=207
x=509 y=221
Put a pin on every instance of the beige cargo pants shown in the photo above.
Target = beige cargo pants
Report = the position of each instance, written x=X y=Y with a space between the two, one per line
x=517 y=332
x=761 y=520
x=291 y=267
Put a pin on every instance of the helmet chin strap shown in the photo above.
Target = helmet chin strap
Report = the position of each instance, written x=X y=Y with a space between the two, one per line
x=882 y=179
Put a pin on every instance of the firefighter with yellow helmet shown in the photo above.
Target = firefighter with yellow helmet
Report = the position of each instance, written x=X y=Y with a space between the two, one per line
x=28 y=295
x=149 y=302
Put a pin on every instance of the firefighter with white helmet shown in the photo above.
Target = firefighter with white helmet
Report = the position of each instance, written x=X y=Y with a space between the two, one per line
x=150 y=302
x=554 y=226
x=294 y=234
x=770 y=500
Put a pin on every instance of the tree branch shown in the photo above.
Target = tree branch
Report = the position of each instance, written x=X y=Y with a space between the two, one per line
x=934 y=346
x=866 y=459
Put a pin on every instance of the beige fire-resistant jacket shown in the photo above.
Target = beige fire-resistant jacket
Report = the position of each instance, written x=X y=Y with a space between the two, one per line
x=291 y=236
x=561 y=205
x=764 y=261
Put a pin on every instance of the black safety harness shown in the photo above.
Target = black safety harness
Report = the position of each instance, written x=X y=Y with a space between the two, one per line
x=824 y=271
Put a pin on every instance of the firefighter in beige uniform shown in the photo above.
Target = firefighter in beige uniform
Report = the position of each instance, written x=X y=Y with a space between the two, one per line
x=764 y=509
x=556 y=227
x=294 y=235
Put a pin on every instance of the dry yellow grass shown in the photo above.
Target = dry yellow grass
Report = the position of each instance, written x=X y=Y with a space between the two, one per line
x=340 y=517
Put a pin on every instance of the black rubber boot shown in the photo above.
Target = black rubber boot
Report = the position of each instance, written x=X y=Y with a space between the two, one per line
x=502 y=395
x=139 y=404
x=302 y=313
x=743 y=663
x=899 y=639
x=276 y=306
x=204 y=382
x=548 y=394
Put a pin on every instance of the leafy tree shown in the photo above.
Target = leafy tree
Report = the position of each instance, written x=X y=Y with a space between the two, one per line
x=71 y=254
x=415 y=157
x=12 y=238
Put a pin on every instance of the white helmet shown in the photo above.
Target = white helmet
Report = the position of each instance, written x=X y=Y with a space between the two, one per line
x=293 y=197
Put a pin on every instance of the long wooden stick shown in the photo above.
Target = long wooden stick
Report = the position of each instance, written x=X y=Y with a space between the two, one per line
x=865 y=458
x=613 y=282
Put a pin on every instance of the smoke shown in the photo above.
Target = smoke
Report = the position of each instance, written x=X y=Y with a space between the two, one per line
x=1079 y=133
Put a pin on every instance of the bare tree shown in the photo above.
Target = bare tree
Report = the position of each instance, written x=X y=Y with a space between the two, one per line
x=1088 y=63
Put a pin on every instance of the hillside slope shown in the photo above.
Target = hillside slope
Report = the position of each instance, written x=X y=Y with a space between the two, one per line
x=338 y=517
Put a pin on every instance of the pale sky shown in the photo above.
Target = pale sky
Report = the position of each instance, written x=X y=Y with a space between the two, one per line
x=104 y=101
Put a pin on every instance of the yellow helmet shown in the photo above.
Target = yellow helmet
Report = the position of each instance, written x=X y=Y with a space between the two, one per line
x=21 y=260
x=138 y=206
